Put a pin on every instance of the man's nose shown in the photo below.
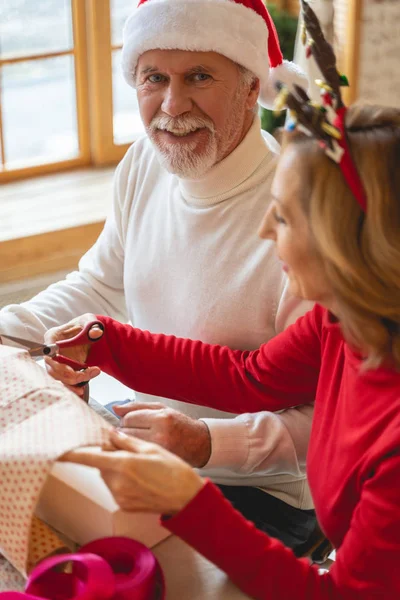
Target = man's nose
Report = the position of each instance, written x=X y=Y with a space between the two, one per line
x=176 y=99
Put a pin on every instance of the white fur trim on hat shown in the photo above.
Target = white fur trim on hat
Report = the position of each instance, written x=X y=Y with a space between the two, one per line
x=287 y=73
x=222 y=26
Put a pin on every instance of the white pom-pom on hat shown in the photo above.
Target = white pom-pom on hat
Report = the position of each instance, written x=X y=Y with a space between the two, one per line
x=241 y=30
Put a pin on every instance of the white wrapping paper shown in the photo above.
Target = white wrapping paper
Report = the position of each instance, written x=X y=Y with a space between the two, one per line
x=39 y=421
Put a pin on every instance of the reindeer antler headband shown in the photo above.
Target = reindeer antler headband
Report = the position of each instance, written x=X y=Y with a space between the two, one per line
x=325 y=121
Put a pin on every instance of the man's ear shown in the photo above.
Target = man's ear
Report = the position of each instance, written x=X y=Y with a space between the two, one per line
x=253 y=94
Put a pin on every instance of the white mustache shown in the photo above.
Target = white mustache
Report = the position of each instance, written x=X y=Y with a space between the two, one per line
x=181 y=124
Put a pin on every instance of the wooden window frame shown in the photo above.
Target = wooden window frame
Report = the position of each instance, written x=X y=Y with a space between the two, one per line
x=349 y=63
x=79 y=53
x=100 y=48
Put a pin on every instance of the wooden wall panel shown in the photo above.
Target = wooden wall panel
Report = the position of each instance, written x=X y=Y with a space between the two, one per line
x=379 y=50
x=46 y=253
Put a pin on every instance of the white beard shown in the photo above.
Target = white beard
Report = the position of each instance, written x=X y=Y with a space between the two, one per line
x=182 y=159
x=184 y=162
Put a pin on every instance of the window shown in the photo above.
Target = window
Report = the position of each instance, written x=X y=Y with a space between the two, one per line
x=126 y=119
x=114 y=110
x=63 y=100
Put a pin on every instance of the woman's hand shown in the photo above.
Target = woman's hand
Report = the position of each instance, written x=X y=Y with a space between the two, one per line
x=79 y=353
x=141 y=476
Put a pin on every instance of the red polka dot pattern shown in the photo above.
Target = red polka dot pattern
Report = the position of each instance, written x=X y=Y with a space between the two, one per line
x=40 y=420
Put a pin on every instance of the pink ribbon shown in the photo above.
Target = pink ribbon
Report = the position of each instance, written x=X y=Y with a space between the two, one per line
x=107 y=569
x=136 y=570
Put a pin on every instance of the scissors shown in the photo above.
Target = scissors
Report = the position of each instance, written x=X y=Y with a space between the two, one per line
x=53 y=350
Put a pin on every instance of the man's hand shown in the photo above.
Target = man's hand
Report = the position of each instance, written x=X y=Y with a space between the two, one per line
x=186 y=437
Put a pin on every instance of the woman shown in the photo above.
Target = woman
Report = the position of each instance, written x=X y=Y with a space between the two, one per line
x=336 y=221
x=345 y=354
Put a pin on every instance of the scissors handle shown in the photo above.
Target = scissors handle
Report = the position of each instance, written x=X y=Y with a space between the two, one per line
x=83 y=337
x=65 y=360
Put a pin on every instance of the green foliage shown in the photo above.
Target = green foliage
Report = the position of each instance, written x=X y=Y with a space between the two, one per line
x=286 y=26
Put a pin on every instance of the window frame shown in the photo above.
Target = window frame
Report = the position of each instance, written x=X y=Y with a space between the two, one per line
x=100 y=48
x=78 y=52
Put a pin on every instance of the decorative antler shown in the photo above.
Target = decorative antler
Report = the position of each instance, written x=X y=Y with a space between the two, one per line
x=317 y=119
x=309 y=115
x=324 y=121
x=323 y=53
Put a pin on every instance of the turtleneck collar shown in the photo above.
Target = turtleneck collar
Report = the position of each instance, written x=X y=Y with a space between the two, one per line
x=233 y=171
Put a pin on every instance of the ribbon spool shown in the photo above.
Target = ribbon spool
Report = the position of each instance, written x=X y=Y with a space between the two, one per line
x=18 y=596
x=91 y=579
x=137 y=573
x=114 y=568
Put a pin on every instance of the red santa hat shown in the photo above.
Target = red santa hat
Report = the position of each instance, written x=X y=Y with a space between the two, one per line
x=241 y=30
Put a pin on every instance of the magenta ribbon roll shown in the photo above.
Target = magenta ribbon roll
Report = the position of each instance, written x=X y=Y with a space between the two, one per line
x=137 y=573
x=91 y=578
x=18 y=596
x=114 y=568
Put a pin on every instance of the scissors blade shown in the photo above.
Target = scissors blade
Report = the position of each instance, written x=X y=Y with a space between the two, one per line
x=34 y=348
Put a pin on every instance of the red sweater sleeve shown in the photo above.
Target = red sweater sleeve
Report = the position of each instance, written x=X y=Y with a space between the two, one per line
x=366 y=567
x=284 y=372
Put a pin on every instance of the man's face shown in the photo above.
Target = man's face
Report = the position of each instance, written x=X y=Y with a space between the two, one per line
x=195 y=106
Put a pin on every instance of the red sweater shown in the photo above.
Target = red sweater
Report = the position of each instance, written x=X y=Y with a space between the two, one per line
x=353 y=459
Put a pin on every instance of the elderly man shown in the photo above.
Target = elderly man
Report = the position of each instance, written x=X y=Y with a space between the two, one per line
x=180 y=254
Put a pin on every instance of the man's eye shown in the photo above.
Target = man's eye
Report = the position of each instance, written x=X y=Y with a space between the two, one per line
x=201 y=77
x=156 y=78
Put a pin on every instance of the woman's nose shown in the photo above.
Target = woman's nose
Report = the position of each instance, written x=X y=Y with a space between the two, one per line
x=266 y=231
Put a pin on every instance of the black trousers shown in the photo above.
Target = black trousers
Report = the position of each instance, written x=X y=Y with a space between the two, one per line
x=278 y=519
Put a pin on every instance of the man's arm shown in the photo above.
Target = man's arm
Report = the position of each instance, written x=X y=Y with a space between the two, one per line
x=266 y=443
x=96 y=287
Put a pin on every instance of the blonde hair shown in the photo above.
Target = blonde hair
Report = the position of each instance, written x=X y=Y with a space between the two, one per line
x=360 y=251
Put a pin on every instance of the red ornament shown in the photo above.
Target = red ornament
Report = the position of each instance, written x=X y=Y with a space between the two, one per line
x=327 y=99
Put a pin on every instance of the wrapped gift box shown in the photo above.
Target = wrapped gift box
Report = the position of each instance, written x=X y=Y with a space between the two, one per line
x=76 y=501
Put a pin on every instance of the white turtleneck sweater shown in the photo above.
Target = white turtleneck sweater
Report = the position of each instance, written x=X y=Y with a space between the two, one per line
x=183 y=257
